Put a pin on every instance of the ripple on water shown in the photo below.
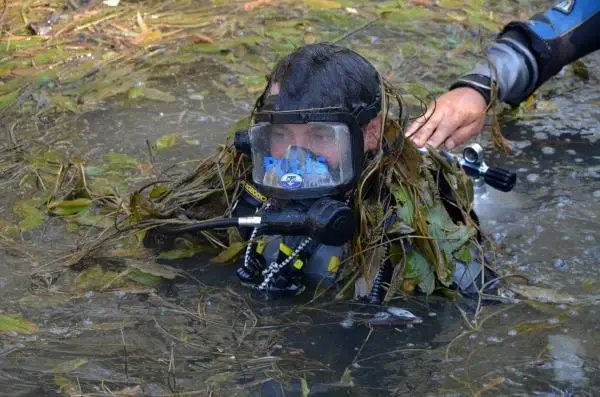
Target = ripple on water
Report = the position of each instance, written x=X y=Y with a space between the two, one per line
x=547 y=150
x=533 y=177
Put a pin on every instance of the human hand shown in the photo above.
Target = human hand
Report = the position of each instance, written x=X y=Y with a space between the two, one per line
x=452 y=119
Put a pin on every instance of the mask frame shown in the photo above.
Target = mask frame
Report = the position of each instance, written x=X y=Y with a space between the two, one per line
x=356 y=152
x=355 y=120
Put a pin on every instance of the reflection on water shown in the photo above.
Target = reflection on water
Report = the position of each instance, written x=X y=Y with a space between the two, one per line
x=567 y=360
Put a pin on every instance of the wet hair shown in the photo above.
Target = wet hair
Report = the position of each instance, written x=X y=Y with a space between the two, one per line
x=322 y=75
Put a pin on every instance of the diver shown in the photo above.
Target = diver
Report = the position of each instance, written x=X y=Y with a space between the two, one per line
x=523 y=57
x=320 y=130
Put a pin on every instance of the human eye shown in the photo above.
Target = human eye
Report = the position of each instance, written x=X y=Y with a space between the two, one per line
x=323 y=136
x=279 y=134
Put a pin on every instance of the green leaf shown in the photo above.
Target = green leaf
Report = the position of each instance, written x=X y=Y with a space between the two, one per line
x=155 y=94
x=417 y=267
x=135 y=92
x=31 y=216
x=323 y=4
x=166 y=142
x=209 y=48
x=94 y=279
x=451 y=4
x=255 y=83
x=68 y=366
x=234 y=235
x=33 y=220
x=347 y=378
x=157 y=191
x=69 y=207
x=407 y=207
x=448 y=237
x=180 y=253
x=120 y=161
x=17 y=324
x=88 y=218
x=220 y=378
x=460 y=236
x=9 y=229
x=580 y=70
x=400 y=227
x=154 y=269
x=397 y=252
x=481 y=19
x=65 y=385
x=94 y=171
x=464 y=254
x=144 y=278
x=305 y=388
x=230 y=254
x=450 y=294
x=409 y=15
x=241 y=124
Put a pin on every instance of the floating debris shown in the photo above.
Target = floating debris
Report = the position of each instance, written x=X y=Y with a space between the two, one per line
x=394 y=316
x=541 y=294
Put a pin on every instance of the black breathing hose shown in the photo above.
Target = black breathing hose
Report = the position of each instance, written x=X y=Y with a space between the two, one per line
x=202 y=225
x=328 y=221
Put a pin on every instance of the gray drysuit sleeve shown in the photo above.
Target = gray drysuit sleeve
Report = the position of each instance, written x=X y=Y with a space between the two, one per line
x=526 y=54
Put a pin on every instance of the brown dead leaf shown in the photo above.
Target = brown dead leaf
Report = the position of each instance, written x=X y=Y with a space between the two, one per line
x=292 y=351
x=421 y=2
x=249 y=6
x=24 y=72
x=15 y=38
x=491 y=385
x=145 y=168
x=141 y=23
x=146 y=35
x=455 y=16
x=202 y=38
x=408 y=286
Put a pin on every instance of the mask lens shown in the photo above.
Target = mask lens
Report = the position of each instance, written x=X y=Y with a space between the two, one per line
x=301 y=156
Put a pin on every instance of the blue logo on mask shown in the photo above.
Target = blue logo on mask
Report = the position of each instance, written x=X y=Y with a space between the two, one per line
x=294 y=166
x=291 y=181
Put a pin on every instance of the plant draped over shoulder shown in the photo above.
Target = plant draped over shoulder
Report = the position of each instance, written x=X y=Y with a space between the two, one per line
x=401 y=212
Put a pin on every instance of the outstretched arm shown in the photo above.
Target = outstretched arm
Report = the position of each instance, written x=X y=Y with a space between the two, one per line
x=522 y=58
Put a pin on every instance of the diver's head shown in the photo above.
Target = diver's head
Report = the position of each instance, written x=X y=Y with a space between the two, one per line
x=318 y=115
x=324 y=75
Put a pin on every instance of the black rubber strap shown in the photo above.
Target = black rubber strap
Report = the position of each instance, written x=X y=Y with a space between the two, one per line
x=481 y=84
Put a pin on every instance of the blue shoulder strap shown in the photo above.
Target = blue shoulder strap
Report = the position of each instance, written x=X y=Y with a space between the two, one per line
x=564 y=33
x=564 y=17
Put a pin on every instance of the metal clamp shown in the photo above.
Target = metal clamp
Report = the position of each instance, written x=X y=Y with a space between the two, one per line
x=472 y=162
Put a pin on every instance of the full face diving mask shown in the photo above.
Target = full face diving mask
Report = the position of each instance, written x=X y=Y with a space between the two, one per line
x=306 y=153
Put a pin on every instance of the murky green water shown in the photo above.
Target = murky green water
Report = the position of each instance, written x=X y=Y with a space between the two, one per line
x=206 y=335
